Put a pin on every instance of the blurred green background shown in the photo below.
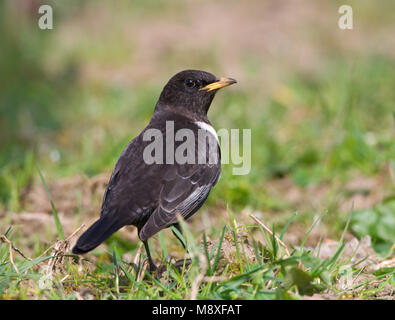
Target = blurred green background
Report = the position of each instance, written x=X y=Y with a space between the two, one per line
x=319 y=100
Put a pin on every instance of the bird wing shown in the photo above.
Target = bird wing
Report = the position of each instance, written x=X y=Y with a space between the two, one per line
x=132 y=191
x=184 y=190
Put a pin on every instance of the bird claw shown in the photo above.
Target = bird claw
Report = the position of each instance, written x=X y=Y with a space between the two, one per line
x=178 y=264
x=152 y=267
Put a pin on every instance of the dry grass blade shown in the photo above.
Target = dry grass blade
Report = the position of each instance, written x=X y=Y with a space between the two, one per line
x=141 y=273
x=138 y=254
x=275 y=273
x=12 y=258
x=66 y=242
x=5 y=239
x=11 y=249
x=271 y=233
x=200 y=277
x=60 y=247
x=391 y=168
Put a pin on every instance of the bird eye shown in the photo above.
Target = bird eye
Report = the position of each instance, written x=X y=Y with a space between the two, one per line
x=190 y=83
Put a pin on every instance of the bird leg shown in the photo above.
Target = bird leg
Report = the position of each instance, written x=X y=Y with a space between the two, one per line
x=151 y=262
x=152 y=266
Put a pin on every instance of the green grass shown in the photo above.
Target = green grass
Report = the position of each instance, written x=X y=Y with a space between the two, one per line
x=54 y=212
x=330 y=144
x=273 y=274
x=315 y=132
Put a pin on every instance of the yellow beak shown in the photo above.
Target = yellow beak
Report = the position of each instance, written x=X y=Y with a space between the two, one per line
x=221 y=83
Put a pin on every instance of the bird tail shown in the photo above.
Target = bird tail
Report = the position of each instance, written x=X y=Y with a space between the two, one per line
x=97 y=233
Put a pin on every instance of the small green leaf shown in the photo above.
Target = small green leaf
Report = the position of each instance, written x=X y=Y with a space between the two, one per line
x=325 y=276
x=301 y=279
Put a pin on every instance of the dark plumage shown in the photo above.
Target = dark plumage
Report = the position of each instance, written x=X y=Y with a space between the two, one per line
x=149 y=196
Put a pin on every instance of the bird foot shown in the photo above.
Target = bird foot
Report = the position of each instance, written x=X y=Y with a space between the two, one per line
x=152 y=267
x=178 y=264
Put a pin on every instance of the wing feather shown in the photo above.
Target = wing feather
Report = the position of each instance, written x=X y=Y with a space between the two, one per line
x=181 y=195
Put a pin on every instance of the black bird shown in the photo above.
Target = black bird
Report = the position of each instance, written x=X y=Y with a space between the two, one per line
x=149 y=195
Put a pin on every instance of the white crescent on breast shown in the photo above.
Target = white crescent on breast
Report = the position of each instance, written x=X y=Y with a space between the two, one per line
x=207 y=127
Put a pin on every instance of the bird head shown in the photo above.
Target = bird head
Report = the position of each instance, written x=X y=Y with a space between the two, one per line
x=192 y=90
